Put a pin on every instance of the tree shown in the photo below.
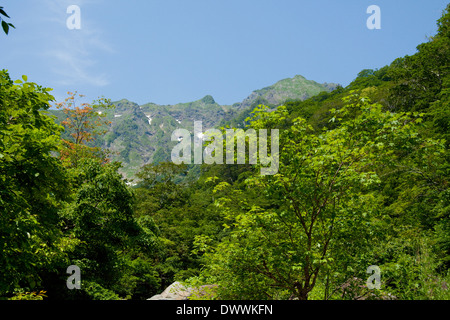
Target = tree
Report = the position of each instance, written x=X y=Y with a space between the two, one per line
x=32 y=184
x=418 y=79
x=110 y=238
x=83 y=123
x=159 y=181
x=320 y=193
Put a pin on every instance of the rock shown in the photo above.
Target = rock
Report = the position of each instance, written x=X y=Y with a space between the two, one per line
x=177 y=291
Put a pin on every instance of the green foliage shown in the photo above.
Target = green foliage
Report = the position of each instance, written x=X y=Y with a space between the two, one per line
x=319 y=191
x=102 y=218
x=5 y=25
x=32 y=183
x=29 y=295
x=362 y=180
x=53 y=216
x=420 y=78
x=95 y=291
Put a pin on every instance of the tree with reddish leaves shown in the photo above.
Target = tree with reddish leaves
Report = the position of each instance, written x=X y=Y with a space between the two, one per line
x=84 y=123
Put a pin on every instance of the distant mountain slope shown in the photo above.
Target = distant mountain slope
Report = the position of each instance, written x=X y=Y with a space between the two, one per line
x=141 y=134
x=296 y=88
x=206 y=110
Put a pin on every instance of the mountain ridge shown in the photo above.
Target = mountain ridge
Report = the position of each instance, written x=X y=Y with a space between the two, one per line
x=141 y=134
x=265 y=91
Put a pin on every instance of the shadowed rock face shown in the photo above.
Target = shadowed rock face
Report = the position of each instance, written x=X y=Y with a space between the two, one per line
x=177 y=291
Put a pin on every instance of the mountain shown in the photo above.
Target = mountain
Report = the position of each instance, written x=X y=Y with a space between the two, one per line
x=296 y=88
x=141 y=134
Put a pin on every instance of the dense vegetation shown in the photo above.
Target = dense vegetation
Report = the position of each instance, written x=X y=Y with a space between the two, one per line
x=362 y=180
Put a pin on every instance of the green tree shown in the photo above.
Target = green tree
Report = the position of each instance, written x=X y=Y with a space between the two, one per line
x=32 y=184
x=319 y=194
x=418 y=79
x=111 y=240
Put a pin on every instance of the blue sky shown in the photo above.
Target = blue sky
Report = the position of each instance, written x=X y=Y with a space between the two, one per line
x=170 y=51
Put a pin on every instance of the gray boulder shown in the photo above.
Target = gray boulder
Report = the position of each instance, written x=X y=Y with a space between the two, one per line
x=178 y=291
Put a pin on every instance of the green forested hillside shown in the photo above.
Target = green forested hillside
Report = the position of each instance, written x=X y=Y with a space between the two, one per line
x=362 y=183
